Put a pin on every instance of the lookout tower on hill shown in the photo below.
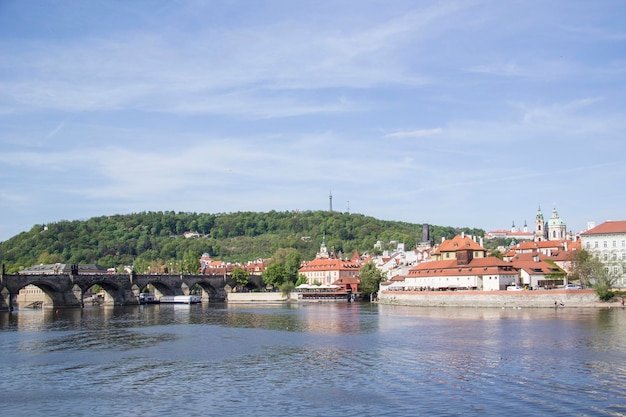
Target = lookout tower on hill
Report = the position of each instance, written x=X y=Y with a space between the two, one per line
x=330 y=200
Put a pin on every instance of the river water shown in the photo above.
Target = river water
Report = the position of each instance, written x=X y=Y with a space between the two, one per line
x=312 y=360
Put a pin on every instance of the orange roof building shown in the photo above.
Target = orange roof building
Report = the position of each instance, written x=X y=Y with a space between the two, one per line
x=460 y=245
x=537 y=270
x=460 y=263
x=326 y=271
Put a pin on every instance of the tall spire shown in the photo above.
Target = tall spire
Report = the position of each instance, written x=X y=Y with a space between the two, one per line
x=330 y=198
x=323 y=253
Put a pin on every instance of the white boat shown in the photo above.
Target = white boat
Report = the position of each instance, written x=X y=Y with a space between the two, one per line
x=145 y=298
x=181 y=299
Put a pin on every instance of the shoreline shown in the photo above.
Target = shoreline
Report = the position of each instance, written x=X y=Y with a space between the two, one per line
x=497 y=299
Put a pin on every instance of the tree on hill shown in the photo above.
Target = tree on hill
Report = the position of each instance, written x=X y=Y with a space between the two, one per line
x=157 y=237
x=241 y=276
x=370 y=278
x=274 y=274
x=191 y=264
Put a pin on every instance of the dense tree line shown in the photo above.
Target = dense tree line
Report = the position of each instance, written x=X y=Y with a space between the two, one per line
x=156 y=238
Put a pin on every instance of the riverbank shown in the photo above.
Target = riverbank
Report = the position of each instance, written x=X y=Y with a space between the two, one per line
x=514 y=299
x=255 y=297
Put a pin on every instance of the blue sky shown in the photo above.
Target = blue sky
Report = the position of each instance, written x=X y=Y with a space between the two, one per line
x=456 y=113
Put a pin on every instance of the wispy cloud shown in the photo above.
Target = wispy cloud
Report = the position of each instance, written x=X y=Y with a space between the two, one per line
x=595 y=33
x=253 y=68
x=419 y=133
x=547 y=69
x=57 y=129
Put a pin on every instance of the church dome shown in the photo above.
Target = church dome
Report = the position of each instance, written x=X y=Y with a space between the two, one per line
x=555 y=220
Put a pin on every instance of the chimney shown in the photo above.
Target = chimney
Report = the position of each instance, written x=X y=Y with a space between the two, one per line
x=462 y=235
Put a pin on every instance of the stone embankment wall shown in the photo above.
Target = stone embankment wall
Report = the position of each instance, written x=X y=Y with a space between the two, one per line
x=545 y=298
x=250 y=297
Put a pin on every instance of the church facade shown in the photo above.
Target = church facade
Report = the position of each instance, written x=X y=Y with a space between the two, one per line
x=553 y=229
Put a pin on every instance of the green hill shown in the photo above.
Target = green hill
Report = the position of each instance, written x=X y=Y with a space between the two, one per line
x=157 y=238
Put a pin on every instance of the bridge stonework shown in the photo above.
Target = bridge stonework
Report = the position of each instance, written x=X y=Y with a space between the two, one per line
x=68 y=290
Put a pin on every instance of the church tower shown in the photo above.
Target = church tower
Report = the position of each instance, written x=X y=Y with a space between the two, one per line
x=323 y=253
x=540 y=233
x=556 y=228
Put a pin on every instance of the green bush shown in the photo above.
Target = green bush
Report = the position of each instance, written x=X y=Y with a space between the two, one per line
x=604 y=294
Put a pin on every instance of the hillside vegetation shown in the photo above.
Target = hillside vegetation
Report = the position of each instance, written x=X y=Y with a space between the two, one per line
x=156 y=238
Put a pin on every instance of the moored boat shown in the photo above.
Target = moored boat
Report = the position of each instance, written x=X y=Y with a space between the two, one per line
x=145 y=298
x=181 y=299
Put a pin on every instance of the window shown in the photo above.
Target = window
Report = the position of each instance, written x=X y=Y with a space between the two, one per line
x=615 y=243
x=605 y=244
x=588 y=245
x=595 y=244
x=606 y=256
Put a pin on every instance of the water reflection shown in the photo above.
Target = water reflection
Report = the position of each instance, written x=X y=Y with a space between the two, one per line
x=314 y=359
x=331 y=318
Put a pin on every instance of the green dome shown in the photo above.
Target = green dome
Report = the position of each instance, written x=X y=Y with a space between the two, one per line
x=555 y=220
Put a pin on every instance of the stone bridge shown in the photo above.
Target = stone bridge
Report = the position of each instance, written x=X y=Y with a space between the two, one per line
x=69 y=290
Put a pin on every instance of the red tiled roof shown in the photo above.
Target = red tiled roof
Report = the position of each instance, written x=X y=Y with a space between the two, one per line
x=574 y=245
x=611 y=226
x=489 y=265
x=321 y=264
x=458 y=243
x=528 y=256
x=544 y=244
x=347 y=281
x=534 y=268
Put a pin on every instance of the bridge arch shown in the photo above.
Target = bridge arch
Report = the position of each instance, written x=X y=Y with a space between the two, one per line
x=212 y=285
x=162 y=284
x=117 y=288
x=113 y=293
x=57 y=292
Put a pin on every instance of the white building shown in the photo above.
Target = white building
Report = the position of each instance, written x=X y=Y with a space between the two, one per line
x=608 y=242
x=400 y=261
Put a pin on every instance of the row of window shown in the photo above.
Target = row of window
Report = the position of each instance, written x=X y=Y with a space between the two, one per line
x=616 y=270
x=613 y=256
x=605 y=244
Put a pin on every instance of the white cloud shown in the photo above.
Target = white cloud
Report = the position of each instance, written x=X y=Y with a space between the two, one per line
x=414 y=133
